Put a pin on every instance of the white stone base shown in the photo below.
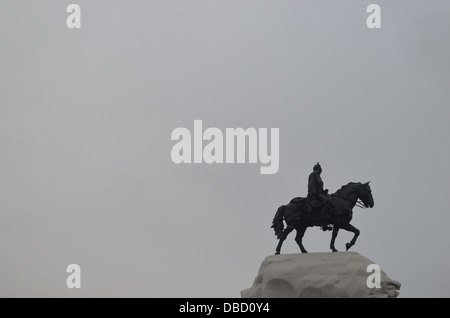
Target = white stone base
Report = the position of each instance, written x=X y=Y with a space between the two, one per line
x=341 y=274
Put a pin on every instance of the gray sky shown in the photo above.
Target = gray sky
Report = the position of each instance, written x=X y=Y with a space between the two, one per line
x=86 y=116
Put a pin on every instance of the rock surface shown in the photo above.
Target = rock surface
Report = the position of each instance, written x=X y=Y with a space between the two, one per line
x=342 y=274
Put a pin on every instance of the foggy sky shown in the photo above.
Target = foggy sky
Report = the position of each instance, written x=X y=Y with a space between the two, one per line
x=86 y=117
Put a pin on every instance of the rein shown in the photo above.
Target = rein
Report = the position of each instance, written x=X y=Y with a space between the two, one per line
x=357 y=202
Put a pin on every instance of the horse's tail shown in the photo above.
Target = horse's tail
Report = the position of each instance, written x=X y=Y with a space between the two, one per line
x=277 y=223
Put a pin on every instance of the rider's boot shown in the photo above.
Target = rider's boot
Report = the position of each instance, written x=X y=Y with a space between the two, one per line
x=325 y=212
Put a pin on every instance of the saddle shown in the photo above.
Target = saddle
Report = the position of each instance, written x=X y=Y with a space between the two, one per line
x=303 y=201
x=315 y=207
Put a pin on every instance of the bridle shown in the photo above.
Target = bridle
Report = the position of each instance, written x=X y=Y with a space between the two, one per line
x=357 y=202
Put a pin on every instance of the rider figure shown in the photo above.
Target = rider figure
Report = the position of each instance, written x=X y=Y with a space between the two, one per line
x=317 y=196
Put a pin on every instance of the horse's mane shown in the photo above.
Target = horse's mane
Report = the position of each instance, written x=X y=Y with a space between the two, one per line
x=344 y=188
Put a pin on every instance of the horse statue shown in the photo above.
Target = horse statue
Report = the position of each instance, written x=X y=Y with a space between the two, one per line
x=299 y=215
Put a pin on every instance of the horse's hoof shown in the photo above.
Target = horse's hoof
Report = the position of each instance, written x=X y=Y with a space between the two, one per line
x=277 y=253
x=334 y=250
x=348 y=245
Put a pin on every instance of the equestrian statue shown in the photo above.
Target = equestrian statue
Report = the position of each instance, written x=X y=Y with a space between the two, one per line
x=330 y=212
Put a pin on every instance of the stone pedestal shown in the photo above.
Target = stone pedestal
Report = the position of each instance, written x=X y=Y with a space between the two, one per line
x=341 y=274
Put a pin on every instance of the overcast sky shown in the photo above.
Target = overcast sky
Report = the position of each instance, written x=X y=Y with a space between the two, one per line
x=86 y=116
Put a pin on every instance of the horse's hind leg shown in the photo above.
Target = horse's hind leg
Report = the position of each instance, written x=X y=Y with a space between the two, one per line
x=353 y=229
x=280 y=243
x=286 y=232
x=298 y=238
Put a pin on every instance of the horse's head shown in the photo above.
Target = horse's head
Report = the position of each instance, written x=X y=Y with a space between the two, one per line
x=365 y=194
x=354 y=191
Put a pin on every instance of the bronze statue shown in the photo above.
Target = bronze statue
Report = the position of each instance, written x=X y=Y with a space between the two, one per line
x=321 y=209
x=318 y=198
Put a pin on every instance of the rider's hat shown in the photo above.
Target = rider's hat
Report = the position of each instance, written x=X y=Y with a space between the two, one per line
x=317 y=167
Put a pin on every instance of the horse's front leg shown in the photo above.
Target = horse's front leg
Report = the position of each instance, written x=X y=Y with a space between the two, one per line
x=353 y=229
x=333 y=237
